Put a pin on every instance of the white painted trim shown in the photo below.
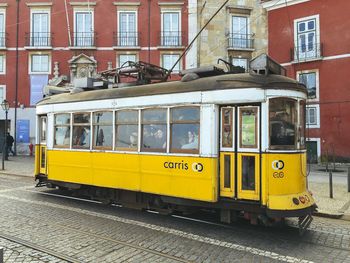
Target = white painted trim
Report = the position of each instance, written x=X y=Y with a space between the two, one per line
x=170 y=3
x=82 y=3
x=317 y=38
x=318 y=120
x=4 y=63
x=3 y=87
x=40 y=11
x=276 y=4
x=3 y=5
x=83 y=10
x=46 y=4
x=318 y=141
x=136 y=22
x=30 y=72
x=316 y=71
x=126 y=4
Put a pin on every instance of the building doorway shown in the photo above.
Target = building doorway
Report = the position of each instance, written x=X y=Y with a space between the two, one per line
x=2 y=133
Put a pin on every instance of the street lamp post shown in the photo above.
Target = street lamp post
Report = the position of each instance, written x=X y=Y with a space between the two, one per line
x=5 y=106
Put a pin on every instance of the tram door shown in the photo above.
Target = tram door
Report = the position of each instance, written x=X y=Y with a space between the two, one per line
x=42 y=144
x=239 y=152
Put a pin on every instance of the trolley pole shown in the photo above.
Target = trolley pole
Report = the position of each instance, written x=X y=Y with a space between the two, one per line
x=349 y=179
x=330 y=184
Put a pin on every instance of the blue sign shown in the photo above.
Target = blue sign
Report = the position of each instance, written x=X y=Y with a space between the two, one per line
x=37 y=84
x=22 y=131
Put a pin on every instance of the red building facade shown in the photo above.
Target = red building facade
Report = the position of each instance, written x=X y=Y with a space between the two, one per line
x=46 y=40
x=311 y=39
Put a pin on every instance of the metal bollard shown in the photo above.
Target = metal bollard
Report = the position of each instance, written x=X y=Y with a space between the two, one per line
x=330 y=184
x=349 y=179
x=1 y=255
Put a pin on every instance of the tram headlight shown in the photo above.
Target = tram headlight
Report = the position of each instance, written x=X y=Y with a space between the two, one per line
x=295 y=200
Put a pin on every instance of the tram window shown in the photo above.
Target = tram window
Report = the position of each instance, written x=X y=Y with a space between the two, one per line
x=185 y=129
x=81 y=130
x=103 y=130
x=62 y=130
x=248 y=124
x=248 y=173
x=301 y=135
x=43 y=126
x=227 y=119
x=127 y=129
x=283 y=119
x=154 y=130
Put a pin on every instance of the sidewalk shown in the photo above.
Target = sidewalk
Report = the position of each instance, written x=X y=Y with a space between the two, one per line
x=318 y=180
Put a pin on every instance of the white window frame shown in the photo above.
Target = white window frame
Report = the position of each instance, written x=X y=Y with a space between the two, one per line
x=41 y=72
x=247 y=30
x=3 y=55
x=41 y=11
x=175 y=10
x=125 y=54
x=3 y=87
x=317 y=38
x=171 y=54
x=317 y=116
x=3 y=12
x=136 y=23
x=241 y=60
x=84 y=10
x=316 y=71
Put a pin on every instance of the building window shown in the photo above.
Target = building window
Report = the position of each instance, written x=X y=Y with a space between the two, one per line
x=240 y=37
x=127 y=33
x=40 y=29
x=84 y=30
x=2 y=29
x=312 y=116
x=168 y=61
x=307 y=44
x=2 y=64
x=2 y=93
x=241 y=62
x=126 y=57
x=171 y=34
x=40 y=63
x=310 y=80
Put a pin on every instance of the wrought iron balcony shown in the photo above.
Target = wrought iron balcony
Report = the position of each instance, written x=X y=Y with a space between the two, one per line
x=38 y=39
x=171 y=38
x=3 y=37
x=241 y=41
x=84 y=39
x=126 y=39
x=308 y=51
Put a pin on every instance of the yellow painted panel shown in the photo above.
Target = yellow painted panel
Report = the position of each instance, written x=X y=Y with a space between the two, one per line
x=248 y=194
x=186 y=177
x=286 y=173
x=285 y=202
x=43 y=159
x=227 y=191
x=37 y=159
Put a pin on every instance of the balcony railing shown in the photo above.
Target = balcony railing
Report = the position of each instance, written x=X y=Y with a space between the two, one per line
x=2 y=39
x=126 y=39
x=241 y=41
x=171 y=38
x=38 y=39
x=84 y=39
x=308 y=51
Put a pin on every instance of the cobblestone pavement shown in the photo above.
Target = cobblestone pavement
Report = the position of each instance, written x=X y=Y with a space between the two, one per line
x=91 y=232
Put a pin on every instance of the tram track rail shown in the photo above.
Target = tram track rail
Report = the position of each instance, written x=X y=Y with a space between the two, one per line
x=258 y=230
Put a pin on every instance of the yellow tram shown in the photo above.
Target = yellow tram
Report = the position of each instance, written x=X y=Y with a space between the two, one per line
x=230 y=142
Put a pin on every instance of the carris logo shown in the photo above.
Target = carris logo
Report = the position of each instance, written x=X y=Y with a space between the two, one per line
x=197 y=167
x=277 y=165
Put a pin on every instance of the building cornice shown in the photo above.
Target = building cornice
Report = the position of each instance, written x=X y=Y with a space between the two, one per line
x=82 y=3
x=126 y=3
x=39 y=4
x=276 y=4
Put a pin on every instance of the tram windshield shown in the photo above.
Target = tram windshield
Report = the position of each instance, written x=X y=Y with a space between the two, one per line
x=283 y=123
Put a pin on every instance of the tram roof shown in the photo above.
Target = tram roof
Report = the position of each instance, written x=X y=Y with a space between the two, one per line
x=220 y=82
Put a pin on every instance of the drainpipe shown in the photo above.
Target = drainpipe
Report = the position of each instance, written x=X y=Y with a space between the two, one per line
x=149 y=31
x=16 y=84
x=68 y=27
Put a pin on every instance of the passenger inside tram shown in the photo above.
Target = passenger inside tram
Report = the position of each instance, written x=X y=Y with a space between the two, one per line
x=192 y=141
